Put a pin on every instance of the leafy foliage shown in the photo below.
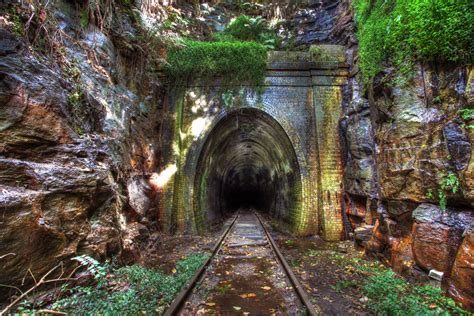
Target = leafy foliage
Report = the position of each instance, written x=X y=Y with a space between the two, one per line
x=93 y=266
x=235 y=63
x=129 y=290
x=449 y=183
x=406 y=31
x=467 y=115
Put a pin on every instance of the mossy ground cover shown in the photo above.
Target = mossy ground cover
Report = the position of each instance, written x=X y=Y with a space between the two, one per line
x=340 y=280
x=129 y=290
x=403 y=32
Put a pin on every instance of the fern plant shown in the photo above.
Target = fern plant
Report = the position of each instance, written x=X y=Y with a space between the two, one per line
x=93 y=266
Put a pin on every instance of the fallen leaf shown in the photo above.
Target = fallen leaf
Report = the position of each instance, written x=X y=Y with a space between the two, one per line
x=248 y=295
x=237 y=308
x=173 y=270
x=210 y=304
x=266 y=288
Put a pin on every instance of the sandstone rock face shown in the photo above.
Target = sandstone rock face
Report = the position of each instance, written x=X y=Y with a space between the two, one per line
x=65 y=165
x=56 y=189
x=462 y=274
x=359 y=173
x=437 y=235
x=422 y=143
x=324 y=22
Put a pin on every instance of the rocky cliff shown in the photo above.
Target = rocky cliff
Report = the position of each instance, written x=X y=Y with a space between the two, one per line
x=79 y=133
x=409 y=150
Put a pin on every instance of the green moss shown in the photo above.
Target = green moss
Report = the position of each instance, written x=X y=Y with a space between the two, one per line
x=234 y=63
x=407 y=31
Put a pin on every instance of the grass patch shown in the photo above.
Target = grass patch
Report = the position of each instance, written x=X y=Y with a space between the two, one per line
x=234 y=63
x=404 y=32
x=130 y=290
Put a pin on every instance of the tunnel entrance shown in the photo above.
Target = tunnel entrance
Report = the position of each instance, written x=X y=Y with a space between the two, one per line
x=247 y=161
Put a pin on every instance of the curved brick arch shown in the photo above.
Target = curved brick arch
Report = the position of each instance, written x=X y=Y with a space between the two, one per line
x=196 y=153
x=281 y=118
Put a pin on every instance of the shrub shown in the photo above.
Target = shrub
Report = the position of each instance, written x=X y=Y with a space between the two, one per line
x=406 y=31
x=235 y=63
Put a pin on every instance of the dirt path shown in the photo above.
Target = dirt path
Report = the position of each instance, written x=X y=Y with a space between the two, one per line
x=244 y=278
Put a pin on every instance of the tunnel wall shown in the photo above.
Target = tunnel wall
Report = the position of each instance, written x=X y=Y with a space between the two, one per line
x=303 y=95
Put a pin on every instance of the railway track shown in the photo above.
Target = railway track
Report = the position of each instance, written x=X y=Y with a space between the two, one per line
x=246 y=274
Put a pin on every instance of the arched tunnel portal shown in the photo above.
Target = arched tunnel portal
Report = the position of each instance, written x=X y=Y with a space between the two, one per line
x=247 y=161
x=278 y=152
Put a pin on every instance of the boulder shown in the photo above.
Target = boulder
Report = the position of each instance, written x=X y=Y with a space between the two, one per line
x=462 y=275
x=138 y=194
x=401 y=254
x=437 y=235
x=363 y=234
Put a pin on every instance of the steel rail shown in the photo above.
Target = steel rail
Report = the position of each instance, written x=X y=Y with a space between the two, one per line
x=178 y=302
x=294 y=281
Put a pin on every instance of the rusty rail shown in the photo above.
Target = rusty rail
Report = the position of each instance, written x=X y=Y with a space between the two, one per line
x=294 y=281
x=178 y=302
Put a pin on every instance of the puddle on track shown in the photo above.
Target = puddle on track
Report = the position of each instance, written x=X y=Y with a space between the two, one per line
x=244 y=278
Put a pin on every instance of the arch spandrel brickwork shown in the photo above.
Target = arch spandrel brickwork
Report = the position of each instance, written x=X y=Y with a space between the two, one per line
x=304 y=99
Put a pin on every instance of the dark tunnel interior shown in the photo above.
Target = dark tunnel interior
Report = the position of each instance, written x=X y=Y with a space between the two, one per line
x=247 y=162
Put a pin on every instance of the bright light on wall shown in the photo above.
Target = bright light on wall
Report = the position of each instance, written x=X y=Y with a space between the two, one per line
x=198 y=126
x=159 y=180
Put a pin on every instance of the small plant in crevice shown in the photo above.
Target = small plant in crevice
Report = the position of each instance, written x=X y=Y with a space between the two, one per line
x=437 y=100
x=429 y=194
x=313 y=253
x=467 y=115
x=449 y=183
